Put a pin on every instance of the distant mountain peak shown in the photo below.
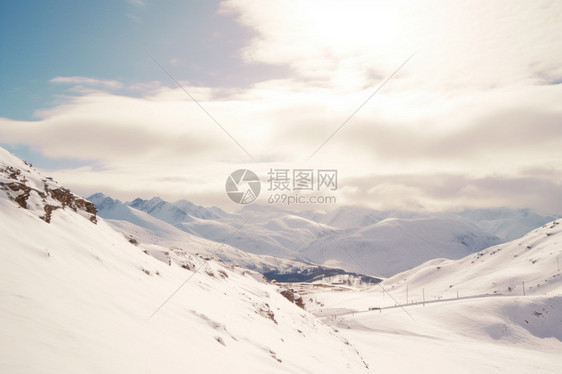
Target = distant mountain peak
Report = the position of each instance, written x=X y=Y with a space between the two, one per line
x=97 y=196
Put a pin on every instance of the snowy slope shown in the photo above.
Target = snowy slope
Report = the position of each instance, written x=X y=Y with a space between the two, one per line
x=534 y=259
x=507 y=224
x=274 y=234
x=394 y=245
x=162 y=210
x=515 y=335
x=201 y=212
x=491 y=327
x=76 y=297
x=348 y=217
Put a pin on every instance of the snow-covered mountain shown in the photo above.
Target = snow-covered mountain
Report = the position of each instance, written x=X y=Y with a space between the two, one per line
x=268 y=231
x=179 y=211
x=348 y=217
x=505 y=223
x=384 y=243
x=393 y=245
x=383 y=247
x=142 y=227
x=530 y=265
x=78 y=297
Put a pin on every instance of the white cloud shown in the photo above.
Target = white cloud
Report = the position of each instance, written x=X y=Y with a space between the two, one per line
x=103 y=83
x=461 y=44
x=473 y=119
x=163 y=144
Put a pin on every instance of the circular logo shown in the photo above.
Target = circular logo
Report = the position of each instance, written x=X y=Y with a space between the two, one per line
x=243 y=186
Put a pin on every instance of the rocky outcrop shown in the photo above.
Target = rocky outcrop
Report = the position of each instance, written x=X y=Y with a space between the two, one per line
x=293 y=297
x=26 y=188
x=68 y=199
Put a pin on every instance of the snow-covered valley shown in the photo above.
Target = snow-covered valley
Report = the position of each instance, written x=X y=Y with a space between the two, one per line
x=78 y=296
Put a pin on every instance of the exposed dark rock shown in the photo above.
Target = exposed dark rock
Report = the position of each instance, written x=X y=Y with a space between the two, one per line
x=293 y=297
x=87 y=206
x=48 y=212
x=19 y=191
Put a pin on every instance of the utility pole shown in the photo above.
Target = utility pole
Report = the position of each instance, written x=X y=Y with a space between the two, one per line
x=523 y=288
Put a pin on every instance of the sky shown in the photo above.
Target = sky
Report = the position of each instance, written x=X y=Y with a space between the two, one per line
x=419 y=105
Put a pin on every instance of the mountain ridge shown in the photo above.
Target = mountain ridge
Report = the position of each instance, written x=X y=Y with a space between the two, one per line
x=309 y=236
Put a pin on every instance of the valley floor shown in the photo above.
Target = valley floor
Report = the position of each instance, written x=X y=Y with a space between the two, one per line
x=499 y=334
